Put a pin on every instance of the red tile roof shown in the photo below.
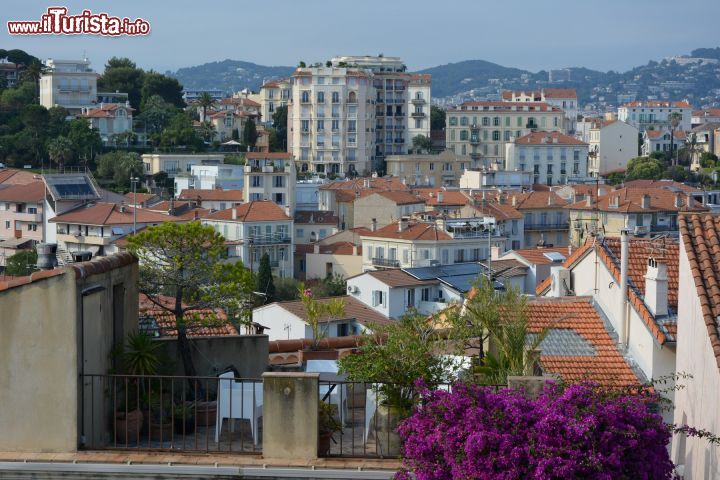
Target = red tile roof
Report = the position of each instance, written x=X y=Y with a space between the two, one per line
x=29 y=193
x=105 y=111
x=354 y=309
x=656 y=104
x=709 y=112
x=337 y=248
x=506 y=106
x=381 y=183
x=629 y=200
x=12 y=176
x=414 y=231
x=537 y=200
x=398 y=278
x=653 y=134
x=140 y=198
x=401 y=198
x=548 y=138
x=320 y=217
x=110 y=214
x=431 y=196
x=259 y=211
x=559 y=92
x=200 y=323
x=701 y=238
x=268 y=155
x=536 y=256
x=600 y=362
x=492 y=207
x=211 y=195
x=664 y=184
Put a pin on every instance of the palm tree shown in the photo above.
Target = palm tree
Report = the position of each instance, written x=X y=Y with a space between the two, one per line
x=207 y=131
x=674 y=120
x=32 y=73
x=60 y=150
x=692 y=149
x=205 y=100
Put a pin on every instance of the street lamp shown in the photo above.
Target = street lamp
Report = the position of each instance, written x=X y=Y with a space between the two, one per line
x=134 y=181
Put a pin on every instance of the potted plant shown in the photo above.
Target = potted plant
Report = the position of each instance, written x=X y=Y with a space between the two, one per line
x=392 y=359
x=315 y=310
x=327 y=426
x=184 y=417
x=138 y=356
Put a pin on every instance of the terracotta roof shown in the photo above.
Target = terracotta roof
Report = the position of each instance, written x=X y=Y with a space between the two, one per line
x=246 y=102
x=578 y=346
x=629 y=200
x=701 y=238
x=414 y=231
x=663 y=330
x=548 y=138
x=397 y=278
x=110 y=214
x=166 y=205
x=106 y=110
x=538 y=95
x=449 y=197
x=559 y=92
x=401 y=198
x=200 y=323
x=665 y=184
x=259 y=211
x=656 y=104
x=710 y=112
x=538 y=200
x=140 y=198
x=12 y=176
x=268 y=155
x=506 y=106
x=337 y=248
x=570 y=261
x=380 y=183
x=536 y=256
x=492 y=207
x=653 y=134
x=321 y=217
x=354 y=310
x=211 y=195
x=29 y=193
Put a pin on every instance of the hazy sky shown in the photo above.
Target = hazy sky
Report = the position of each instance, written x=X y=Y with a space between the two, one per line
x=608 y=34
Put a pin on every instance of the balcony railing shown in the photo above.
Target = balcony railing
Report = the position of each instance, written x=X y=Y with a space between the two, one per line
x=418 y=114
x=385 y=262
x=546 y=226
x=271 y=239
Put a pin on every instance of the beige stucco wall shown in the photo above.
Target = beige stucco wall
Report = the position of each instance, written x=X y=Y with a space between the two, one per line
x=38 y=366
x=698 y=404
x=344 y=265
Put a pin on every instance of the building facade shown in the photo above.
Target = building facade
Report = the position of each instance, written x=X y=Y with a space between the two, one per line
x=418 y=105
x=482 y=129
x=552 y=157
x=564 y=98
x=426 y=170
x=113 y=121
x=71 y=84
x=270 y=176
x=653 y=113
x=273 y=95
x=613 y=144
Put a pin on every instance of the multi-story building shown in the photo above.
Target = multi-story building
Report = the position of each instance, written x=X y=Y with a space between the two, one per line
x=545 y=218
x=552 y=157
x=270 y=176
x=71 y=84
x=418 y=105
x=212 y=199
x=659 y=141
x=420 y=244
x=641 y=211
x=700 y=117
x=22 y=212
x=254 y=229
x=482 y=129
x=210 y=177
x=493 y=180
x=383 y=208
x=311 y=227
x=111 y=120
x=426 y=170
x=10 y=72
x=274 y=94
x=191 y=96
x=331 y=120
x=174 y=163
x=564 y=98
x=656 y=114
x=612 y=144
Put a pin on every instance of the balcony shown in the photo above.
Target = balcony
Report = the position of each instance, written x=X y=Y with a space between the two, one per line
x=417 y=114
x=418 y=101
x=272 y=239
x=80 y=239
x=399 y=114
x=399 y=140
x=385 y=262
x=474 y=140
x=546 y=226
x=27 y=217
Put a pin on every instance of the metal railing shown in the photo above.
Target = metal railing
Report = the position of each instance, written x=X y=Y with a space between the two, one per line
x=385 y=262
x=546 y=226
x=177 y=413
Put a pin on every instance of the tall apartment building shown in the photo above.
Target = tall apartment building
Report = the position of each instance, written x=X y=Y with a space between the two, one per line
x=565 y=98
x=270 y=176
x=418 y=105
x=552 y=157
x=656 y=114
x=331 y=120
x=273 y=94
x=482 y=129
x=68 y=83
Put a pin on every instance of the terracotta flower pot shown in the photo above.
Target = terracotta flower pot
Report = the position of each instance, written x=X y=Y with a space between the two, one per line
x=324 y=443
x=205 y=413
x=127 y=427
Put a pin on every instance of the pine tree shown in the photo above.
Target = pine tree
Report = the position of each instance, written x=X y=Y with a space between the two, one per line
x=265 y=280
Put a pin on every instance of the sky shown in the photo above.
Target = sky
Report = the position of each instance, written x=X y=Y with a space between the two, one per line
x=533 y=35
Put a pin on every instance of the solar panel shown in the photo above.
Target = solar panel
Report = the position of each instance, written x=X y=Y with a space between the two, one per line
x=554 y=256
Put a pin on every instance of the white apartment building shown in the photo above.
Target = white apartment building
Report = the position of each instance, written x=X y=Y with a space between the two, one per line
x=253 y=229
x=613 y=144
x=331 y=120
x=274 y=94
x=656 y=114
x=210 y=177
x=564 y=98
x=174 y=163
x=659 y=141
x=421 y=244
x=482 y=129
x=493 y=180
x=709 y=115
x=552 y=157
x=71 y=84
x=270 y=176
x=418 y=106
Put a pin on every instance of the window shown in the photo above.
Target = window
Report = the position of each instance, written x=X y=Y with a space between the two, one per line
x=496 y=121
x=486 y=121
x=278 y=181
x=464 y=121
x=305 y=97
x=410 y=297
x=463 y=134
x=506 y=134
x=378 y=298
x=305 y=125
x=576 y=155
x=405 y=255
x=335 y=97
x=431 y=166
x=321 y=125
x=452 y=121
x=425 y=295
x=320 y=97
x=369 y=252
x=299 y=232
x=323 y=233
x=496 y=135
x=335 y=125
x=426 y=254
x=507 y=121
x=32 y=210
x=256 y=180
x=352 y=125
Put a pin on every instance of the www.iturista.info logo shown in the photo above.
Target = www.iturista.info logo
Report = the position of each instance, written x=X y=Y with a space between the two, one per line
x=56 y=21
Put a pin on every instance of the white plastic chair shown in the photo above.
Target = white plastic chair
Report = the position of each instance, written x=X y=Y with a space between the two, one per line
x=371 y=400
x=238 y=400
x=339 y=393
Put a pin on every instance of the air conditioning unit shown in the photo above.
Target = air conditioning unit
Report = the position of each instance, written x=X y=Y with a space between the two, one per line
x=352 y=289
x=560 y=286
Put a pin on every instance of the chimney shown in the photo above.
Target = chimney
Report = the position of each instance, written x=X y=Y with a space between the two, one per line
x=287 y=210
x=355 y=250
x=656 y=287
x=196 y=215
x=373 y=225
x=570 y=250
x=690 y=201
x=624 y=252
x=588 y=200
x=46 y=255
x=551 y=200
x=402 y=224
x=645 y=201
x=501 y=199
x=367 y=183
x=440 y=197
x=234 y=213
x=316 y=248
x=122 y=208
x=357 y=194
x=678 y=200
x=514 y=201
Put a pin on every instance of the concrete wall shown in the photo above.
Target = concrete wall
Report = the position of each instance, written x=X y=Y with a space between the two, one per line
x=344 y=265
x=247 y=353
x=698 y=404
x=38 y=366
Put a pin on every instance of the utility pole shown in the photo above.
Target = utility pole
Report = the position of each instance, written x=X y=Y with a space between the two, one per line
x=134 y=181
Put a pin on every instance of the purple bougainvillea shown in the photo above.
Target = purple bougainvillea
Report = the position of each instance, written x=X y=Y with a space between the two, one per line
x=578 y=432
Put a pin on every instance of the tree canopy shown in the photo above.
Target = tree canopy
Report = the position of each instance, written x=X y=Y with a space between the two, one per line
x=122 y=75
x=647 y=168
x=166 y=87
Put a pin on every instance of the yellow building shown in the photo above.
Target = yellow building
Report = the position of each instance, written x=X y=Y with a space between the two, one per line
x=421 y=170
